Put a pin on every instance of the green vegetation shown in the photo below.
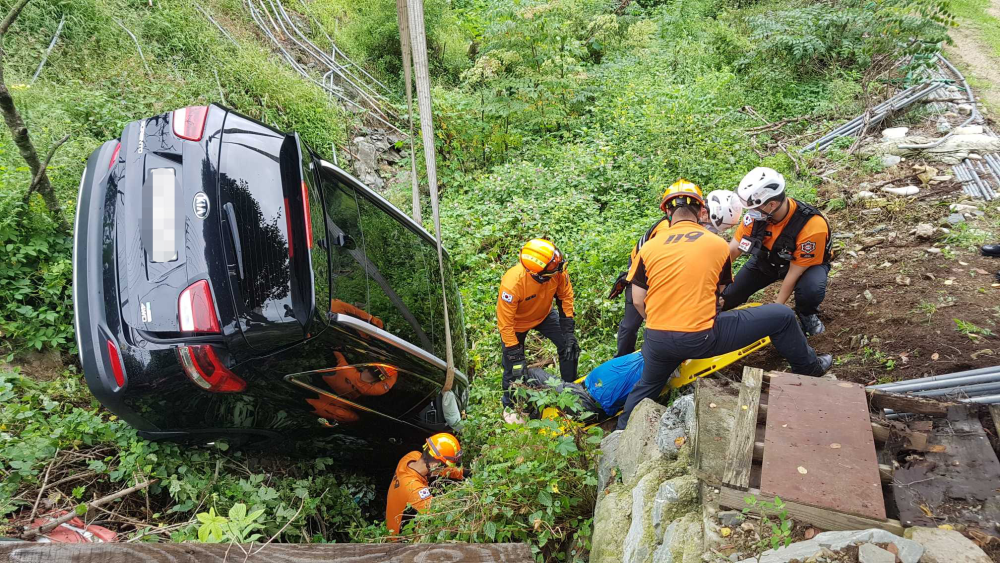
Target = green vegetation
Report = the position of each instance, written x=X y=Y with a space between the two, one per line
x=772 y=535
x=558 y=118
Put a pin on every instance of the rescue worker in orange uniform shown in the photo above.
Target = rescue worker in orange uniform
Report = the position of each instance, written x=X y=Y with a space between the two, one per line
x=677 y=280
x=788 y=240
x=628 y=328
x=349 y=382
x=409 y=492
x=525 y=303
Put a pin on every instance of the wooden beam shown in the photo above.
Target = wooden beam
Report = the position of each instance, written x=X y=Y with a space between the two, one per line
x=739 y=456
x=995 y=415
x=885 y=471
x=288 y=553
x=908 y=403
x=819 y=517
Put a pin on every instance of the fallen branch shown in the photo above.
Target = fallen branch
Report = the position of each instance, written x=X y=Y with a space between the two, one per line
x=34 y=509
x=32 y=533
x=45 y=164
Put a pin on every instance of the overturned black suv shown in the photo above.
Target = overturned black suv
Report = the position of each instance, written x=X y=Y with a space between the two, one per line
x=230 y=284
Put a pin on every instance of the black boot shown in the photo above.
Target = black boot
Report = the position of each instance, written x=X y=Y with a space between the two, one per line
x=811 y=325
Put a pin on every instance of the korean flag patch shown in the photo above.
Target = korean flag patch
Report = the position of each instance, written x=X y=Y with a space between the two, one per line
x=747 y=220
x=506 y=297
x=424 y=493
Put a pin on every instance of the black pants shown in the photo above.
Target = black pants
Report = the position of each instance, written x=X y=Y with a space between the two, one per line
x=551 y=329
x=628 y=328
x=540 y=379
x=663 y=351
x=810 y=289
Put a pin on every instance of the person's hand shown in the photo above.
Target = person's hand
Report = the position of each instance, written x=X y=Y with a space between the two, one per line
x=513 y=417
x=572 y=350
x=515 y=357
x=619 y=286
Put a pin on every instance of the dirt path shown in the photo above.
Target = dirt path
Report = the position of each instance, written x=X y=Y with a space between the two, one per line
x=978 y=60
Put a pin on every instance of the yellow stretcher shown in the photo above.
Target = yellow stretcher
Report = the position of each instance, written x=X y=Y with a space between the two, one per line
x=691 y=370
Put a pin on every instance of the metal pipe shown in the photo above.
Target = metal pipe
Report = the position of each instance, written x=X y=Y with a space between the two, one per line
x=993 y=163
x=968 y=390
x=983 y=188
x=988 y=377
x=957 y=374
x=986 y=400
x=983 y=171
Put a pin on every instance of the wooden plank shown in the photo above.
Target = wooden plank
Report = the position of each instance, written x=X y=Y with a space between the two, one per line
x=995 y=415
x=820 y=517
x=819 y=448
x=739 y=456
x=24 y=552
x=955 y=480
x=908 y=403
x=879 y=430
x=885 y=471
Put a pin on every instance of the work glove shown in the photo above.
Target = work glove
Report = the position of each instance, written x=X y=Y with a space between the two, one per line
x=619 y=286
x=514 y=357
x=572 y=351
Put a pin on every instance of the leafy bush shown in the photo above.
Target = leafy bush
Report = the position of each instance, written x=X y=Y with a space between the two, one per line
x=36 y=301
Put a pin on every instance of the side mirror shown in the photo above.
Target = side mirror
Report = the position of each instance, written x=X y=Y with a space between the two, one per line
x=345 y=241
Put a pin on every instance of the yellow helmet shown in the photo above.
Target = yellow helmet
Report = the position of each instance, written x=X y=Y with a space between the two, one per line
x=444 y=447
x=541 y=257
x=682 y=189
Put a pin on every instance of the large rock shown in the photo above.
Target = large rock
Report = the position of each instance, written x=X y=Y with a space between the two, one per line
x=611 y=524
x=908 y=551
x=608 y=461
x=641 y=539
x=955 y=149
x=677 y=426
x=674 y=498
x=871 y=553
x=682 y=541
x=366 y=163
x=946 y=546
x=638 y=441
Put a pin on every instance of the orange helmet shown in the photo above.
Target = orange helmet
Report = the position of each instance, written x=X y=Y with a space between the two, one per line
x=445 y=448
x=540 y=256
x=682 y=189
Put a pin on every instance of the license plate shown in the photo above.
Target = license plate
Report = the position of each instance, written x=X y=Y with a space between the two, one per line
x=161 y=208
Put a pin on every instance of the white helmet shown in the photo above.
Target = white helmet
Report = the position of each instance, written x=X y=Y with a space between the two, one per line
x=760 y=186
x=724 y=209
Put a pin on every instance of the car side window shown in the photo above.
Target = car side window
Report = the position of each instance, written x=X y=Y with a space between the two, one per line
x=348 y=292
x=398 y=275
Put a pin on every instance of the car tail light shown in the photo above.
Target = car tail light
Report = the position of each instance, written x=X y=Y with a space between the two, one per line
x=196 y=309
x=203 y=366
x=288 y=225
x=189 y=122
x=308 y=219
x=114 y=156
x=116 y=364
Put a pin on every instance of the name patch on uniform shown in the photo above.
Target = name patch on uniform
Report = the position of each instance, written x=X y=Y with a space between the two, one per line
x=807 y=246
x=424 y=493
x=747 y=220
x=506 y=297
x=745 y=244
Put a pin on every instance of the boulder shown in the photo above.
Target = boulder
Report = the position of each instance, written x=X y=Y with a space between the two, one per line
x=365 y=163
x=611 y=524
x=638 y=442
x=677 y=426
x=640 y=542
x=673 y=498
x=607 y=462
x=681 y=542
x=946 y=546
x=870 y=553
x=908 y=551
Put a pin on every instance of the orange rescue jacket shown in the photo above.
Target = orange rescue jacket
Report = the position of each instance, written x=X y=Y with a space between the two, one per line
x=523 y=303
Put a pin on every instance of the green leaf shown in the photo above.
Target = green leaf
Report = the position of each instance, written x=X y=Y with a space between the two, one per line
x=545 y=498
x=238 y=511
x=491 y=530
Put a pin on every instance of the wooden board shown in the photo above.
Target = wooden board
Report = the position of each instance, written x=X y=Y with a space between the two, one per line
x=908 y=403
x=819 y=449
x=739 y=456
x=802 y=513
x=24 y=552
x=958 y=472
x=995 y=415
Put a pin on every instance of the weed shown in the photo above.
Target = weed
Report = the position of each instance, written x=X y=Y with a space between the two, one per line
x=971 y=330
x=771 y=535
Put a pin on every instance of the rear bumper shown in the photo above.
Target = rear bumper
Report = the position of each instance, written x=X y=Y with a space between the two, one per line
x=93 y=232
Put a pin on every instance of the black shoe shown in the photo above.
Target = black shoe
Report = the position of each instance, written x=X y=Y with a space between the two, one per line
x=991 y=250
x=811 y=325
x=825 y=361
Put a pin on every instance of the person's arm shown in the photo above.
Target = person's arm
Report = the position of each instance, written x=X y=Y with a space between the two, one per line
x=795 y=271
x=734 y=248
x=639 y=300
x=506 y=311
x=564 y=295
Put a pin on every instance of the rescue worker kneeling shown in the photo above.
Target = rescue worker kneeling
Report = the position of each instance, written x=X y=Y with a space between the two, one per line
x=677 y=279
x=788 y=240
x=409 y=492
x=525 y=303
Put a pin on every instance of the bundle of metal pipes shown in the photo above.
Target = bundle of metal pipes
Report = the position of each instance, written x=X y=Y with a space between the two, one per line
x=876 y=115
x=973 y=386
x=975 y=176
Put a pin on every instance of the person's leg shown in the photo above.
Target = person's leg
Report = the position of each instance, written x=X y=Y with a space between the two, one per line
x=508 y=369
x=810 y=290
x=749 y=280
x=660 y=360
x=736 y=329
x=551 y=329
x=628 y=328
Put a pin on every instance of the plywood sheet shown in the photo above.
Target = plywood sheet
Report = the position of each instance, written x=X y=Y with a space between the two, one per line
x=818 y=448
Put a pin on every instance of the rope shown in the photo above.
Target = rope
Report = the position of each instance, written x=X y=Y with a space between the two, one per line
x=404 y=44
x=418 y=40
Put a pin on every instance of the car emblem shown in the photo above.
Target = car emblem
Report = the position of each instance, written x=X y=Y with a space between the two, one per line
x=201 y=205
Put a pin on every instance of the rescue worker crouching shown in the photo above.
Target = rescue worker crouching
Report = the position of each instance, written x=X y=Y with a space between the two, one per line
x=787 y=240
x=677 y=280
x=525 y=303
x=409 y=492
